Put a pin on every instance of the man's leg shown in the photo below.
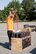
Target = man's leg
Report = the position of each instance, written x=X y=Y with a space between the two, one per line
x=10 y=41
x=9 y=36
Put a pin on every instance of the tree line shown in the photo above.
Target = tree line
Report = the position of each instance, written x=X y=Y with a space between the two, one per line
x=25 y=10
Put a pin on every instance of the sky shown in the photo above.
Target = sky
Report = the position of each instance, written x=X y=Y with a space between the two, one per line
x=4 y=3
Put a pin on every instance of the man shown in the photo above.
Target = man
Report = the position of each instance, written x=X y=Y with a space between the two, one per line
x=10 y=24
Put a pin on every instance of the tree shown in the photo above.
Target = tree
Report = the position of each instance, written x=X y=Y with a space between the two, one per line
x=1 y=15
x=27 y=5
x=32 y=14
x=14 y=4
x=34 y=5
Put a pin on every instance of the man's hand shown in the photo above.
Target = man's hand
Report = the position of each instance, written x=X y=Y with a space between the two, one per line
x=13 y=30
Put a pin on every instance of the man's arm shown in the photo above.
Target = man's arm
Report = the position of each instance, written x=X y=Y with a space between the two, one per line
x=17 y=18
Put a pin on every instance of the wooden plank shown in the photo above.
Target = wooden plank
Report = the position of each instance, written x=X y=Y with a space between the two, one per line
x=26 y=42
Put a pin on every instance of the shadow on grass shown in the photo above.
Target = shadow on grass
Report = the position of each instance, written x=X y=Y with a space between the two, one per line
x=5 y=45
x=33 y=51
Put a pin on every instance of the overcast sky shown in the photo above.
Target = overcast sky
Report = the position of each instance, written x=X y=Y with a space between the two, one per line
x=4 y=3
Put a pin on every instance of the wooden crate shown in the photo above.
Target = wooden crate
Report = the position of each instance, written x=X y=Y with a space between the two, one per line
x=17 y=44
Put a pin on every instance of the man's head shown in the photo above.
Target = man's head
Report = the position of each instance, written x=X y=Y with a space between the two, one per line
x=12 y=11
